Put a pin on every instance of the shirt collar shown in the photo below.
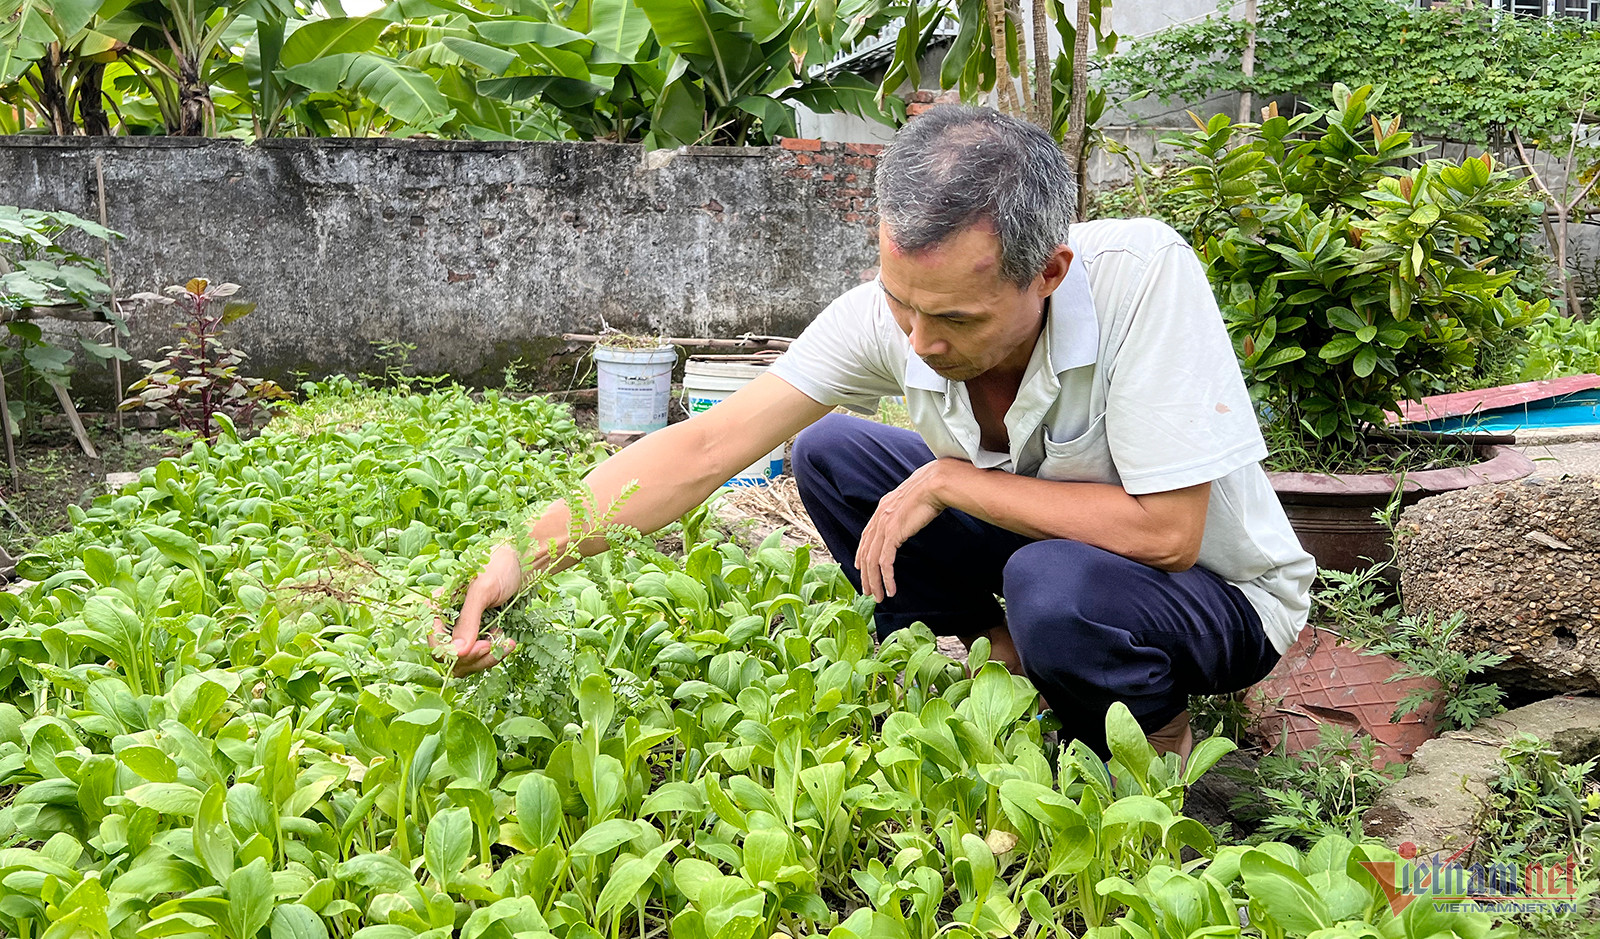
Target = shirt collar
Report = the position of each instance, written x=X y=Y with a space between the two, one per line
x=920 y=375
x=1074 y=327
x=1074 y=332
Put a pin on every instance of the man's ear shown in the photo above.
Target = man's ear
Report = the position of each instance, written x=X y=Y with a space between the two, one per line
x=1055 y=270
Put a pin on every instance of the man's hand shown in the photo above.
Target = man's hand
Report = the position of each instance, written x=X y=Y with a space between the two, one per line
x=498 y=582
x=900 y=514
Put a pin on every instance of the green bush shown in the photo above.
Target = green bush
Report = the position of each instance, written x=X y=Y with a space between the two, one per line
x=1345 y=277
x=40 y=266
x=1543 y=810
x=1558 y=345
x=1464 y=70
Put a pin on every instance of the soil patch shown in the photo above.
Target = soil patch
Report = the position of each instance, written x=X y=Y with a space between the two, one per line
x=53 y=473
x=751 y=513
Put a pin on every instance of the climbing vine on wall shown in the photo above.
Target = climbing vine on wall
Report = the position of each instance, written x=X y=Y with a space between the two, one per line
x=1461 y=71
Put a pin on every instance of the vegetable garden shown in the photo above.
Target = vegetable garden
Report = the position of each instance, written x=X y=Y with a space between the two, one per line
x=224 y=720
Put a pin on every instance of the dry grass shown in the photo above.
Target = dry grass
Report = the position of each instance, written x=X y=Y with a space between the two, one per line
x=754 y=512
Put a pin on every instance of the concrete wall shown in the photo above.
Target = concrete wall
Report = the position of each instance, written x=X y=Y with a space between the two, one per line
x=478 y=253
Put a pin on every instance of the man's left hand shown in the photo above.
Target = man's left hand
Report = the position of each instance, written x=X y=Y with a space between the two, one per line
x=900 y=514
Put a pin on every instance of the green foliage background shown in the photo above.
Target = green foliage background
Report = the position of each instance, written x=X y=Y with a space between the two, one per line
x=664 y=72
x=1458 y=70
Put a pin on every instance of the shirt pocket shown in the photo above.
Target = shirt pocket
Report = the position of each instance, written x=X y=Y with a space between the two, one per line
x=1085 y=458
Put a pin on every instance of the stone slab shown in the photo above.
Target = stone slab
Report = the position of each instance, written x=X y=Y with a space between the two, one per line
x=1437 y=805
x=1570 y=457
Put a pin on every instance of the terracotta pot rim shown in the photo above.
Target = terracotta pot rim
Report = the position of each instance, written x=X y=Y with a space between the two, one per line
x=1501 y=464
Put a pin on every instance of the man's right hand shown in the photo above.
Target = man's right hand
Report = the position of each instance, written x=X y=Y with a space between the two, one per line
x=674 y=469
x=497 y=583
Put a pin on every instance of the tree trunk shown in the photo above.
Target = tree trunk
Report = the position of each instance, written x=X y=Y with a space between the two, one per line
x=91 y=101
x=53 y=96
x=1247 y=63
x=1014 y=22
x=194 y=99
x=1556 y=233
x=1044 y=104
x=1076 y=144
x=1005 y=94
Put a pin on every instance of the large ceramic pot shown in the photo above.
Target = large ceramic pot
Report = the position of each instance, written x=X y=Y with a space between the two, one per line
x=1332 y=512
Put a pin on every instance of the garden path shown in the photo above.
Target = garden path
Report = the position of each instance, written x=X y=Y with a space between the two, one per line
x=1568 y=454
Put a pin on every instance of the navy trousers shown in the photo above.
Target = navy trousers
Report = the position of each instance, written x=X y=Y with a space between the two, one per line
x=1090 y=627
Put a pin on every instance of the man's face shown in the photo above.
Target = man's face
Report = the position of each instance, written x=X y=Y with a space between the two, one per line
x=961 y=316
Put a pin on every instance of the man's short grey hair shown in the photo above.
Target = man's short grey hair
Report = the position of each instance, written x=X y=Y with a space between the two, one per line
x=955 y=167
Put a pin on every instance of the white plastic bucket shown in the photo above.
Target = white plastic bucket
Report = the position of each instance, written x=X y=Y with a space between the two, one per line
x=635 y=387
x=708 y=379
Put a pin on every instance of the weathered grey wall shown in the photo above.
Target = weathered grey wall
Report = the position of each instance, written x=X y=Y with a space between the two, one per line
x=478 y=253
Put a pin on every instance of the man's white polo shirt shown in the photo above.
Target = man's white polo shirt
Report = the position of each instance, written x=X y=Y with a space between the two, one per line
x=1133 y=382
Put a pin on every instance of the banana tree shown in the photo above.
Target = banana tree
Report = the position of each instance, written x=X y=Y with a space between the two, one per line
x=1053 y=92
x=666 y=72
x=53 y=62
x=342 y=60
x=677 y=72
x=174 y=45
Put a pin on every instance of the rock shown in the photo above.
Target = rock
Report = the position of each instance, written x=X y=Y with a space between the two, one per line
x=1438 y=803
x=621 y=438
x=1570 y=725
x=952 y=647
x=115 y=482
x=1520 y=561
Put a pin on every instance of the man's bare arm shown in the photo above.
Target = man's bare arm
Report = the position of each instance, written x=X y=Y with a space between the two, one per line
x=672 y=470
x=1161 y=529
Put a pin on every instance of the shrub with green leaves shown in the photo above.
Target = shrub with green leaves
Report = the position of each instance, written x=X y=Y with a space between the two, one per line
x=1559 y=345
x=42 y=266
x=1426 y=646
x=1346 y=278
x=1545 y=810
x=226 y=722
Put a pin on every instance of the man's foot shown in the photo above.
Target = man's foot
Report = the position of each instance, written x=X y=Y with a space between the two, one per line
x=1176 y=737
x=1001 y=648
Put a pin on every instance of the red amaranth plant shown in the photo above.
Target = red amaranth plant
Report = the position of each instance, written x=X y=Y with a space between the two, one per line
x=199 y=378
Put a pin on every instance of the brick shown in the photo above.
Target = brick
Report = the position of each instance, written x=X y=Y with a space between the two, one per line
x=866 y=149
x=799 y=172
x=821 y=159
x=805 y=159
x=799 y=143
